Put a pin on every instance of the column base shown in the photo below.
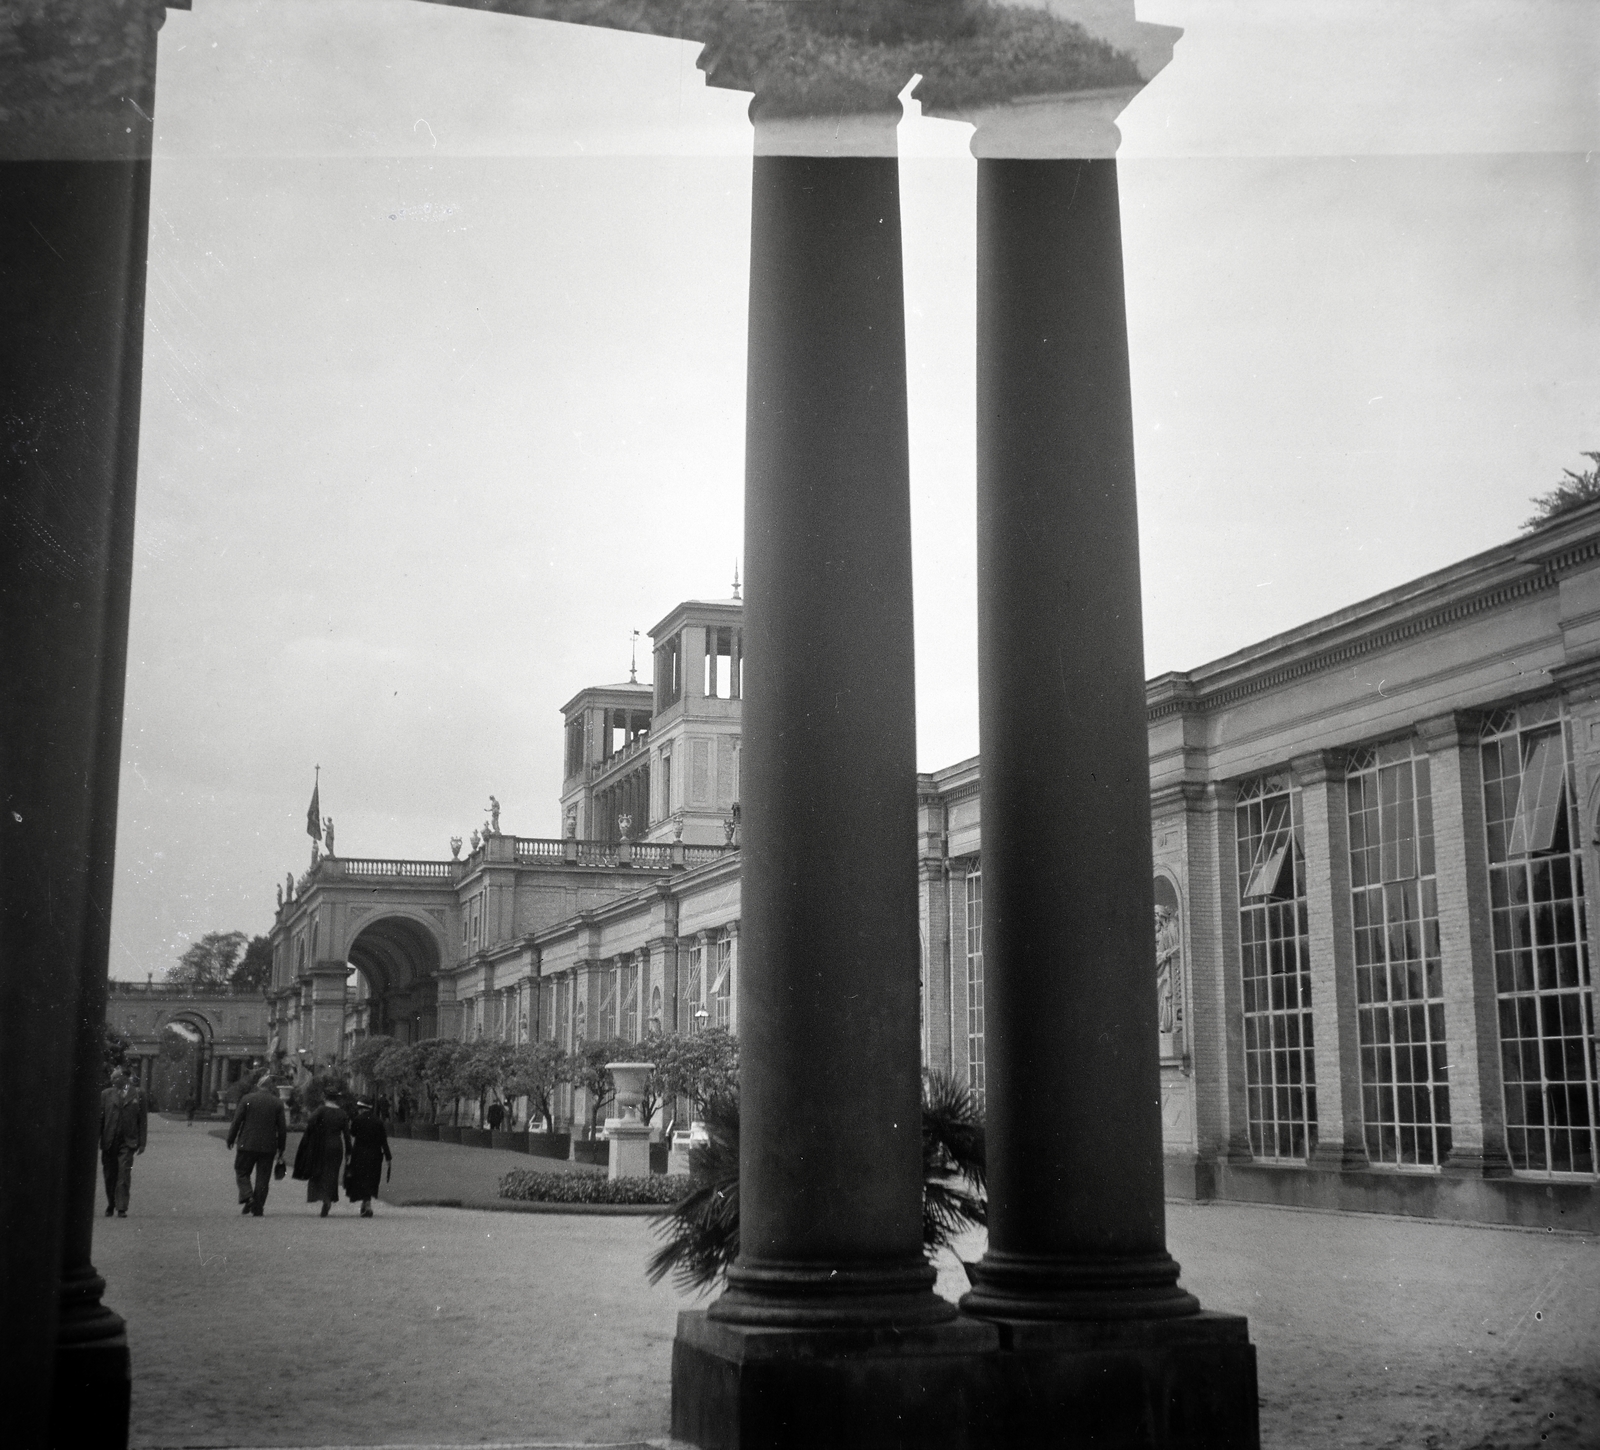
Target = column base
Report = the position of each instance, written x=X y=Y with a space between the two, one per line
x=1032 y=1287
x=778 y=1295
x=1474 y=1162
x=1339 y=1156
x=1186 y=1384
x=93 y=1389
x=742 y=1387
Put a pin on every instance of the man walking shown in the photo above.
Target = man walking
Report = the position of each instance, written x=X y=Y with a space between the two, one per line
x=124 y=1123
x=261 y=1130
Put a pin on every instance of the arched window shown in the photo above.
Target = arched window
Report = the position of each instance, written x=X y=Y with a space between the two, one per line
x=655 y=1009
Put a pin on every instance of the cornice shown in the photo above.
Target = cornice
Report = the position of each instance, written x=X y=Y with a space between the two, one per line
x=1377 y=624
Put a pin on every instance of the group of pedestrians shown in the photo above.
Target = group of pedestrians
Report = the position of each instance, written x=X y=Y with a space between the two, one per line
x=345 y=1146
x=334 y=1133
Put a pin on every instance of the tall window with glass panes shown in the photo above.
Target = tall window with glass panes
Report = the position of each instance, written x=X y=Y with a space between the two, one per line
x=630 y=1000
x=1275 y=963
x=694 y=997
x=1541 y=954
x=1394 y=904
x=722 y=983
x=975 y=1075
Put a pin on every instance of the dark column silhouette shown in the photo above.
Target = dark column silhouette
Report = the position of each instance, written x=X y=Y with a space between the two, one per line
x=1077 y=1267
x=74 y=206
x=829 y=1331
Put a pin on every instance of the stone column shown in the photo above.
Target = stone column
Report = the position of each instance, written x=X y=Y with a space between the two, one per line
x=1077 y=1261
x=325 y=1038
x=74 y=202
x=1076 y=1219
x=830 y=1305
x=1326 y=818
x=1466 y=945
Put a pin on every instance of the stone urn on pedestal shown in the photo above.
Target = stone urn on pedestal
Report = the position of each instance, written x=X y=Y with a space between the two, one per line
x=629 y=1133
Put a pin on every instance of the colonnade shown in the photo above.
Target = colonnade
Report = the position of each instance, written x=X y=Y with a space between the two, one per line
x=829 y=1331
x=629 y=796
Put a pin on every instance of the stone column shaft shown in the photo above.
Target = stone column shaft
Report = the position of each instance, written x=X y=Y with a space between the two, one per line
x=73 y=239
x=1076 y=1211
x=830 y=1166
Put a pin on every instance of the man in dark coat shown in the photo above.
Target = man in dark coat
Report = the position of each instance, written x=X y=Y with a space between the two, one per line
x=124 y=1123
x=261 y=1132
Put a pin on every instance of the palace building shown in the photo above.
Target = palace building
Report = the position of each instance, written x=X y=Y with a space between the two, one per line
x=1373 y=841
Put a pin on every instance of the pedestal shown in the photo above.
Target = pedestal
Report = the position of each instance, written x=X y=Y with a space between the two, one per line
x=1186 y=1384
x=630 y=1148
x=739 y=1387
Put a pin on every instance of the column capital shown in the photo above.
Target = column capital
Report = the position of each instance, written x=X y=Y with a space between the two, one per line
x=1318 y=767
x=1449 y=731
x=1579 y=679
x=1181 y=794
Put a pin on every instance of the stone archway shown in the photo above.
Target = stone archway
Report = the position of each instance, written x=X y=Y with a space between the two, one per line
x=176 y=1082
x=398 y=956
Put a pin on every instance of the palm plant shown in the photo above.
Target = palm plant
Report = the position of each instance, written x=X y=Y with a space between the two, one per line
x=700 y=1233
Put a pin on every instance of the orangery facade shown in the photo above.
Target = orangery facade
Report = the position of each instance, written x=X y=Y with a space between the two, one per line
x=1374 y=839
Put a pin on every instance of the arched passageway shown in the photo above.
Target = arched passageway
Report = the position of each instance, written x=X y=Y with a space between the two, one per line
x=397 y=958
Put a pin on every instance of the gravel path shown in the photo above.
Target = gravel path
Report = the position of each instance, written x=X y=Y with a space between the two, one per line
x=452 y=1327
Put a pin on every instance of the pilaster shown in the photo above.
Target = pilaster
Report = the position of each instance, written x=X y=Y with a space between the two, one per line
x=1466 y=944
x=1326 y=821
x=1222 y=1119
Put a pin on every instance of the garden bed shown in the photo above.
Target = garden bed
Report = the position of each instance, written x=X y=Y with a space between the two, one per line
x=530 y=1185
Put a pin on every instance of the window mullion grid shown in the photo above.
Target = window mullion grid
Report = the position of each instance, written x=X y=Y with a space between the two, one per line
x=1542 y=969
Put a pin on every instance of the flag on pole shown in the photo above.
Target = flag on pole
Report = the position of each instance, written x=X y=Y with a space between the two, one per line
x=314 y=810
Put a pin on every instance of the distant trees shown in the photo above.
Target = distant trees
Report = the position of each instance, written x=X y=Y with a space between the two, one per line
x=1574 y=492
x=255 y=970
x=209 y=962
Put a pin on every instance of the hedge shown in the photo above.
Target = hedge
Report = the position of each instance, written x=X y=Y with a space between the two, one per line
x=536 y=1187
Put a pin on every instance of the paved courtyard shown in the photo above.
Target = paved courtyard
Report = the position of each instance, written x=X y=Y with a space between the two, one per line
x=443 y=1326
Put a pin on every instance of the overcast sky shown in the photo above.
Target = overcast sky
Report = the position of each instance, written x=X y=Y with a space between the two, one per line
x=444 y=382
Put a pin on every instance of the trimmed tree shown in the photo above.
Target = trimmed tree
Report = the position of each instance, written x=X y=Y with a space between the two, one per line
x=483 y=1070
x=696 y=1066
x=537 y=1070
x=364 y=1057
x=437 y=1061
x=586 y=1069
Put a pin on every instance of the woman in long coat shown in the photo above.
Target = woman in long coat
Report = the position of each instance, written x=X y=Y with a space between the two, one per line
x=369 y=1147
x=321 y=1154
